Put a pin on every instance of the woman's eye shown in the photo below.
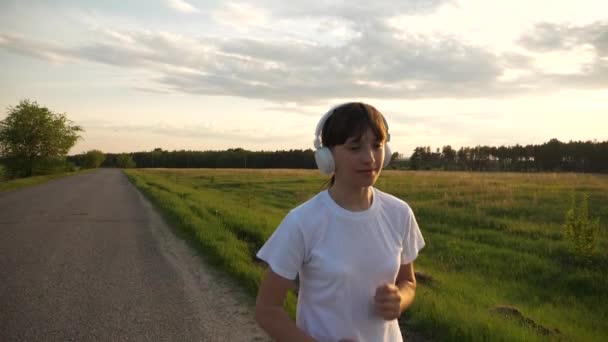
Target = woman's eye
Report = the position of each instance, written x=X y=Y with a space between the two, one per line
x=353 y=147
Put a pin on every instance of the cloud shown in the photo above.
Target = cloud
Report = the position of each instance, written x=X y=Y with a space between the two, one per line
x=354 y=10
x=545 y=37
x=205 y=130
x=51 y=52
x=181 y=6
x=589 y=42
x=372 y=59
x=375 y=64
x=240 y=15
x=151 y=90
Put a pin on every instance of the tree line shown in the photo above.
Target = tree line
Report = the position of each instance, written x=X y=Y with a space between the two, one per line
x=231 y=158
x=554 y=155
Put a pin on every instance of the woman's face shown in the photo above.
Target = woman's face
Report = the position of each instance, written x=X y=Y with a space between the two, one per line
x=359 y=161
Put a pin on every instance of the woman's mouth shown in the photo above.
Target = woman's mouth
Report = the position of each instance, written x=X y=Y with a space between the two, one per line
x=367 y=172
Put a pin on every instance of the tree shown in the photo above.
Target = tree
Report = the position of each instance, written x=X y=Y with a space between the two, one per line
x=34 y=140
x=449 y=156
x=93 y=158
x=416 y=159
x=395 y=156
x=549 y=155
x=125 y=161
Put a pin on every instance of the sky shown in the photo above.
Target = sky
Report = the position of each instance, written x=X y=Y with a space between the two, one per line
x=212 y=75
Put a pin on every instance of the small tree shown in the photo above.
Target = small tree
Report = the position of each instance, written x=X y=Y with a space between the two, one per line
x=125 y=161
x=580 y=232
x=395 y=156
x=93 y=158
x=34 y=140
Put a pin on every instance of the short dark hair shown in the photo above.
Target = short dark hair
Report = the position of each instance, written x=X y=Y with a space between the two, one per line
x=352 y=120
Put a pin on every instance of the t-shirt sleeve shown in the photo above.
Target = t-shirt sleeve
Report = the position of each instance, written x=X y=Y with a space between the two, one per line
x=412 y=240
x=284 y=251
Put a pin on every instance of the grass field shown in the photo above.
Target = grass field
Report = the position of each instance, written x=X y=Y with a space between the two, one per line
x=495 y=267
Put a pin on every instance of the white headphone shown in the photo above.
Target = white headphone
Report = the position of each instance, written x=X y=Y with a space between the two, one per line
x=323 y=157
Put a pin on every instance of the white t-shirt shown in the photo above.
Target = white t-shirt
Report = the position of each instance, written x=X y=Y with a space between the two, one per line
x=341 y=258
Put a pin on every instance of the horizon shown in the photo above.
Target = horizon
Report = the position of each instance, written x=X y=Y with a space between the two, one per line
x=258 y=75
x=401 y=155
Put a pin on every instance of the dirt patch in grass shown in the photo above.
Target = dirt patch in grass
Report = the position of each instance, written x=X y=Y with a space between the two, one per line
x=425 y=278
x=511 y=312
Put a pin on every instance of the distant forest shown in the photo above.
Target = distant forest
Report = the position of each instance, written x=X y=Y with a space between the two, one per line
x=574 y=156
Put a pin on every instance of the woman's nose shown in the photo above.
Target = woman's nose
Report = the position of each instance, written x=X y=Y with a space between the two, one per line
x=368 y=155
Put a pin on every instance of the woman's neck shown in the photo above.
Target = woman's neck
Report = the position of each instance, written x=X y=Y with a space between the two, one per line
x=353 y=199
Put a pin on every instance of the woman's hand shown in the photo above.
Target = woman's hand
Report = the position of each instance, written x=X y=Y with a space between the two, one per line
x=388 y=301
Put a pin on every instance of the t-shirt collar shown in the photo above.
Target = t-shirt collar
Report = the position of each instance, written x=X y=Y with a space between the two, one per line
x=348 y=213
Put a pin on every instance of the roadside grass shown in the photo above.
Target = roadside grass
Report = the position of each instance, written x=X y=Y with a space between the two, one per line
x=20 y=183
x=498 y=266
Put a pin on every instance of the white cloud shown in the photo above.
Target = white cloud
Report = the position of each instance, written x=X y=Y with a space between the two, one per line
x=240 y=16
x=495 y=24
x=119 y=36
x=51 y=52
x=511 y=75
x=182 y=6
x=379 y=62
x=573 y=61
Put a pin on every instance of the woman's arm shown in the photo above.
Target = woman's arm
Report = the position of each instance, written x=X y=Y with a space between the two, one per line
x=406 y=282
x=269 y=312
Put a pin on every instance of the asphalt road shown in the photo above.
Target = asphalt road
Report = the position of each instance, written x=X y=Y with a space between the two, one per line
x=86 y=258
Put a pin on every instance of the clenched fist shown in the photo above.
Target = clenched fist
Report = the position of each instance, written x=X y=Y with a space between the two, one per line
x=388 y=301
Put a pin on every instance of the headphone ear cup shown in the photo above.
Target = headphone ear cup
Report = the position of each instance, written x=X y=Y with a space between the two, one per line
x=387 y=155
x=324 y=160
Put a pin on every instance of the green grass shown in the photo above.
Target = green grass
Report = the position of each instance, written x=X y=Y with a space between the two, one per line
x=492 y=240
x=20 y=183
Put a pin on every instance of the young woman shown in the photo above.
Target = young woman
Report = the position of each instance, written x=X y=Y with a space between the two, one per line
x=351 y=245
